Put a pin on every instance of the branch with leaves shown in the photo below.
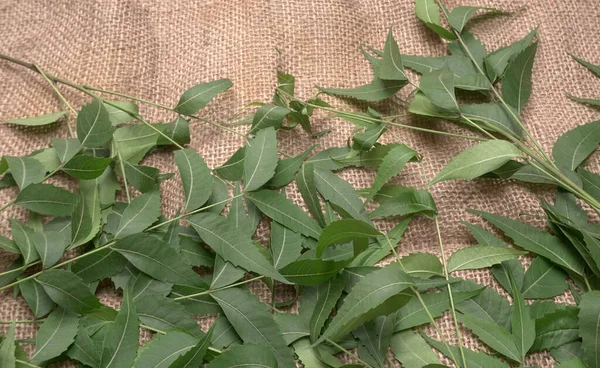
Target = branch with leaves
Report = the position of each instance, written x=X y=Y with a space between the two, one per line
x=357 y=296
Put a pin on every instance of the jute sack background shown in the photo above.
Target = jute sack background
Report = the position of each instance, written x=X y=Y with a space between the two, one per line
x=157 y=49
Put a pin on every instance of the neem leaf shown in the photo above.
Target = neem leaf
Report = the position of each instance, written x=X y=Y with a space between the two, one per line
x=327 y=297
x=496 y=337
x=391 y=166
x=122 y=336
x=489 y=306
x=438 y=86
x=100 y=265
x=422 y=265
x=39 y=302
x=305 y=180
x=225 y=273
x=480 y=256
x=286 y=169
x=46 y=199
x=293 y=326
x=84 y=349
x=133 y=141
x=232 y=244
x=496 y=61
x=249 y=354
x=117 y=115
x=7 y=348
x=268 y=116
x=195 y=356
x=493 y=114
x=200 y=95
x=284 y=211
x=574 y=146
x=68 y=291
x=477 y=359
x=460 y=15
x=178 y=130
x=165 y=314
x=340 y=193
x=66 y=148
x=85 y=167
x=429 y=13
x=516 y=84
x=260 y=159
x=377 y=90
x=9 y=245
x=523 y=326
x=396 y=200
x=252 y=321
x=590 y=101
x=154 y=257
x=25 y=170
x=55 y=335
x=412 y=351
x=286 y=245
x=163 y=350
x=555 y=329
x=378 y=293
x=593 y=68
x=23 y=236
x=312 y=271
x=344 y=231
x=94 y=128
x=233 y=168
x=589 y=319
x=374 y=339
x=478 y=160
x=391 y=67
x=143 y=178
x=543 y=280
x=142 y=212
x=365 y=140
x=38 y=120
x=86 y=215
x=537 y=241
x=196 y=178
x=50 y=245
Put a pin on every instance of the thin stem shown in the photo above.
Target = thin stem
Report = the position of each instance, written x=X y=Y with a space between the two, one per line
x=219 y=289
x=124 y=176
x=349 y=353
x=60 y=97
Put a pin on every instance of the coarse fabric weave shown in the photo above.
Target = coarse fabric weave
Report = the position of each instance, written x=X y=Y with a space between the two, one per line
x=157 y=49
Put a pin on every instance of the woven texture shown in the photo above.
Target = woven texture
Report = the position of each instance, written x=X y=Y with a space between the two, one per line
x=157 y=49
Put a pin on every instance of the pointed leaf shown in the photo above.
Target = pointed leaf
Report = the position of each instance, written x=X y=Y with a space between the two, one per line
x=488 y=306
x=556 y=329
x=178 y=130
x=50 y=245
x=121 y=339
x=377 y=90
x=225 y=273
x=200 y=95
x=429 y=13
x=391 y=63
x=286 y=245
x=260 y=159
x=100 y=265
x=66 y=148
x=516 y=85
x=25 y=170
x=493 y=335
x=85 y=167
x=396 y=200
x=574 y=146
x=391 y=166
x=589 y=320
x=163 y=350
x=493 y=114
x=86 y=215
x=7 y=349
x=523 y=326
x=268 y=116
x=543 y=280
x=39 y=302
x=84 y=349
x=593 y=68
x=438 y=86
x=46 y=199
x=460 y=15
x=38 y=120
x=286 y=169
x=196 y=178
x=480 y=256
x=328 y=295
x=23 y=236
x=249 y=354
x=56 y=334
x=343 y=231
x=412 y=351
x=68 y=291
x=497 y=61
x=233 y=168
x=142 y=212
x=143 y=178
x=340 y=193
x=305 y=180
x=312 y=271
x=195 y=356
x=94 y=128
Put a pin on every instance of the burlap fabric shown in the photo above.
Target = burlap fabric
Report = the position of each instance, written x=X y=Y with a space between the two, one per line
x=157 y=49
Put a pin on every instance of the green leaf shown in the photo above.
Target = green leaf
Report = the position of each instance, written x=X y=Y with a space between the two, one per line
x=460 y=15
x=488 y=306
x=284 y=211
x=312 y=271
x=249 y=354
x=117 y=115
x=252 y=321
x=343 y=231
x=268 y=115
x=377 y=90
x=480 y=256
x=374 y=339
x=142 y=212
x=99 y=265
x=50 y=245
x=556 y=329
x=225 y=273
x=84 y=349
x=305 y=180
x=23 y=236
x=178 y=130
x=438 y=86
x=493 y=114
x=133 y=141
x=412 y=351
x=68 y=291
x=391 y=64
x=523 y=326
x=163 y=350
x=593 y=68
x=233 y=168
x=537 y=241
x=516 y=85
x=574 y=146
x=543 y=280
x=232 y=244
x=146 y=285
x=25 y=170
x=200 y=95
x=340 y=193
x=365 y=140
x=86 y=167
x=589 y=101
x=589 y=319
x=7 y=349
x=497 y=61
x=422 y=265
x=194 y=356
x=328 y=295
x=66 y=148
x=86 y=215
x=286 y=169
x=260 y=159
x=9 y=245
x=392 y=165
x=378 y=293
x=473 y=359
x=122 y=336
x=293 y=327
x=397 y=200
x=196 y=178
x=492 y=335
x=154 y=257
x=55 y=335
x=568 y=352
x=166 y=314
x=478 y=160
x=46 y=199
x=143 y=178
x=429 y=13
x=286 y=245
x=38 y=120
x=39 y=302
x=94 y=128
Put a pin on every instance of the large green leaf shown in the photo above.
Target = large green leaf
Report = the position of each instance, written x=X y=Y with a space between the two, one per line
x=163 y=350
x=543 y=279
x=99 y=265
x=287 y=168
x=429 y=13
x=50 y=245
x=328 y=295
x=154 y=257
x=284 y=211
x=7 y=348
x=268 y=116
x=377 y=90
x=305 y=180
x=249 y=354
x=142 y=178
x=473 y=359
x=480 y=256
x=56 y=334
x=23 y=237
x=460 y=15
x=225 y=273
x=178 y=130
x=343 y=231
x=46 y=199
x=252 y=321
x=165 y=314
x=378 y=293
x=286 y=245
x=68 y=291
x=397 y=200
x=593 y=68
x=589 y=320
x=478 y=160
x=194 y=356
x=39 y=302
x=94 y=128
x=38 y=120
x=233 y=168
x=142 y=212
x=491 y=116
x=122 y=336
x=312 y=271
x=496 y=337
x=574 y=146
x=196 y=178
x=25 y=170
x=516 y=84
x=537 y=241
x=232 y=244
x=488 y=306
x=340 y=193
x=86 y=215
x=391 y=166
x=132 y=142
x=391 y=64
x=523 y=326
x=200 y=95
x=557 y=328
x=496 y=62
x=85 y=167
x=260 y=159
x=412 y=351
